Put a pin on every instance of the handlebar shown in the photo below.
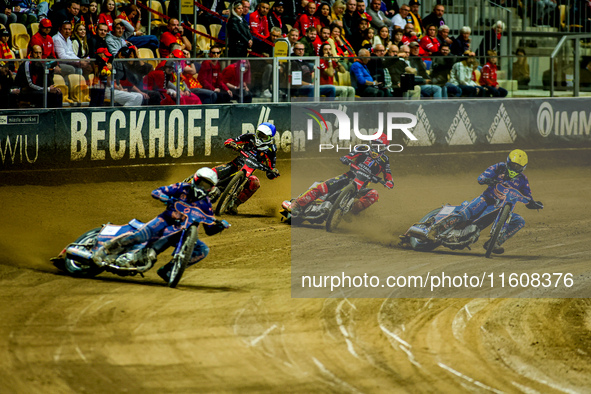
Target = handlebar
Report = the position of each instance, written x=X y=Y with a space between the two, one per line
x=373 y=178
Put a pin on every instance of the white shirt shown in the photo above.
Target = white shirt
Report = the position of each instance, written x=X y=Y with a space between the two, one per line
x=63 y=47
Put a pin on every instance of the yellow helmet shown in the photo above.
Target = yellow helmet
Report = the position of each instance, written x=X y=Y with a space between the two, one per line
x=516 y=162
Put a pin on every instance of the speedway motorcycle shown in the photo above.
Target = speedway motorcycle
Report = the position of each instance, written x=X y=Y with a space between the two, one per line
x=80 y=260
x=332 y=207
x=464 y=234
x=232 y=186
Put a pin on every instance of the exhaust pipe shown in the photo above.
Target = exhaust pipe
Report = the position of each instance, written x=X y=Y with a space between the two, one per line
x=79 y=255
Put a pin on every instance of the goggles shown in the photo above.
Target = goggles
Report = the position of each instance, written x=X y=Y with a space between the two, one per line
x=515 y=167
x=263 y=137
x=204 y=185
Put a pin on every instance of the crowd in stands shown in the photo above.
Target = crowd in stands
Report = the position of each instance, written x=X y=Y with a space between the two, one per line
x=366 y=48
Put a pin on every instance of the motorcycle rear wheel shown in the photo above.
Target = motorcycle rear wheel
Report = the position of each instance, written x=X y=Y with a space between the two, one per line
x=424 y=246
x=339 y=208
x=78 y=269
x=503 y=216
x=181 y=259
x=231 y=192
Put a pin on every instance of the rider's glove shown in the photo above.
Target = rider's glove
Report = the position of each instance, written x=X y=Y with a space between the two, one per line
x=535 y=205
x=222 y=223
x=345 y=160
x=233 y=145
x=490 y=181
x=273 y=174
x=164 y=198
x=390 y=185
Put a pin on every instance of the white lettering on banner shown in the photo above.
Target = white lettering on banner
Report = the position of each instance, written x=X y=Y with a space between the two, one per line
x=7 y=153
x=167 y=133
x=116 y=117
x=569 y=123
x=501 y=131
x=423 y=130
x=461 y=131
x=345 y=125
x=97 y=135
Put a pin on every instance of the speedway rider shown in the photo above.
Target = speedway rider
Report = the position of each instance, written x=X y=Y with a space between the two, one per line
x=374 y=161
x=195 y=193
x=509 y=173
x=262 y=143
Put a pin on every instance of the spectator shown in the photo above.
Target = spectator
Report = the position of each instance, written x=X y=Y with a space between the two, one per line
x=323 y=16
x=80 y=42
x=130 y=75
x=307 y=19
x=173 y=35
x=440 y=70
x=461 y=76
x=108 y=13
x=239 y=38
x=275 y=18
x=359 y=33
x=521 y=70
x=361 y=13
x=328 y=68
x=367 y=37
x=6 y=86
x=383 y=37
x=435 y=18
x=117 y=38
x=429 y=43
x=306 y=88
x=6 y=15
x=409 y=34
x=416 y=19
x=378 y=18
x=289 y=15
x=399 y=65
x=401 y=19
x=443 y=36
x=378 y=70
x=165 y=81
x=462 y=43
x=189 y=75
x=397 y=35
x=231 y=77
x=30 y=79
x=492 y=39
x=366 y=86
x=103 y=67
x=5 y=51
x=26 y=11
x=545 y=9
x=350 y=18
x=89 y=12
x=428 y=89
x=131 y=15
x=100 y=40
x=338 y=12
x=340 y=46
x=311 y=42
x=65 y=50
x=488 y=76
x=70 y=13
x=268 y=70
x=210 y=77
x=259 y=28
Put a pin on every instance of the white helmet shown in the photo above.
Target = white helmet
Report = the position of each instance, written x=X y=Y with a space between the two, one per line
x=264 y=134
x=204 y=182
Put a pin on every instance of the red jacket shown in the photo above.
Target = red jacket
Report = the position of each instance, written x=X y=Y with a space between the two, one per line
x=488 y=75
x=44 y=42
x=210 y=76
x=304 y=21
x=259 y=25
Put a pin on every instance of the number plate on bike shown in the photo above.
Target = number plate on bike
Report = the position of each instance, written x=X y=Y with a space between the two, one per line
x=446 y=210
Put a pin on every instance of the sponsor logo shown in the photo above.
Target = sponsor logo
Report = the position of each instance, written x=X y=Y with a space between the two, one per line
x=501 y=131
x=461 y=131
x=423 y=130
x=562 y=123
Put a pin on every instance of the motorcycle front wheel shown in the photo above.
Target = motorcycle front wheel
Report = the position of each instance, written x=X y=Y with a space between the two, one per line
x=503 y=216
x=182 y=258
x=424 y=246
x=231 y=192
x=81 y=270
x=341 y=207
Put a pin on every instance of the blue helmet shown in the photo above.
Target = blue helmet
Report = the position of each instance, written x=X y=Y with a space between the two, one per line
x=264 y=134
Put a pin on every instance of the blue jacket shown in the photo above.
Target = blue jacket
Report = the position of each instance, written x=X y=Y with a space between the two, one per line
x=498 y=172
x=361 y=73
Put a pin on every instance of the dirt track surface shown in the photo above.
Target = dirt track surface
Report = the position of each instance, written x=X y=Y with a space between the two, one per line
x=232 y=326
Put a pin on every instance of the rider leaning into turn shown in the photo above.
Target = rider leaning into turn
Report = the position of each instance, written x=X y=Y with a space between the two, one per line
x=262 y=143
x=195 y=193
x=374 y=161
x=509 y=173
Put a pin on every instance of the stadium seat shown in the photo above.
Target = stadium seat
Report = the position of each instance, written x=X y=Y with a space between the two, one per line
x=215 y=30
x=34 y=28
x=204 y=43
x=146 y=53
x=60 y=83
x=157 y=19
x=20 y=37
x=78 y=88
x=344 y=78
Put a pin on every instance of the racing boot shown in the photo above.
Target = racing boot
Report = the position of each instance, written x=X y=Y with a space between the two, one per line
x=106 y=249
x=295 y=209
x=497 y=249
x=357 y=207
x=164 y=271
x=233 y=208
